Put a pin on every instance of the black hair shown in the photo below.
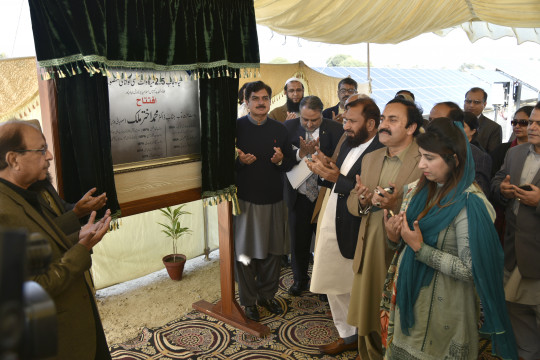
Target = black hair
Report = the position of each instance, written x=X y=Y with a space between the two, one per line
x=11 y=139
x=407 y=92
x=241 y=94
x=477 y=89
x=348 y=81
x=312 y=102
x=414 y=115
x=471 y=120
x=256 y=86
x=527 y=109
x=444 y=138
x=370 y=110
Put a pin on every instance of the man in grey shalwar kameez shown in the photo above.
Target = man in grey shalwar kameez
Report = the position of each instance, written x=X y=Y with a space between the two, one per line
x=263 y=153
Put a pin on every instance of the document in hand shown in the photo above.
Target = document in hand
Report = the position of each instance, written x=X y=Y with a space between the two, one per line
x=299 y=174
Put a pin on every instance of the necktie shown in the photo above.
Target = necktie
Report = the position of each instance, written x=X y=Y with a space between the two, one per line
x=312 y=190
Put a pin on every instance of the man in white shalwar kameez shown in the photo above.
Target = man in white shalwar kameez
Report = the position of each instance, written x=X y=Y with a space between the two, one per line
x=337 y=230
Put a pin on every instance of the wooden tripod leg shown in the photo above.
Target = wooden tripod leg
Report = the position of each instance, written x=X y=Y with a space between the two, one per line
x=227 y=309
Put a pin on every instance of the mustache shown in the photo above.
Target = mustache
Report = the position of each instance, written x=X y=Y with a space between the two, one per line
x=386 y=131
x=261 y=107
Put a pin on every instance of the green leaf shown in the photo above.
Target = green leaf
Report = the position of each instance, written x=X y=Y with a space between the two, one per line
x=173 y=227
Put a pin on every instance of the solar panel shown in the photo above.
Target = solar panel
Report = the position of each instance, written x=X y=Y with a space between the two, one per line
x=430 y=86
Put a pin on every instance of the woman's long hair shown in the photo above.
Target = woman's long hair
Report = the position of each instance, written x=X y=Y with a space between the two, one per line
x=446 y=139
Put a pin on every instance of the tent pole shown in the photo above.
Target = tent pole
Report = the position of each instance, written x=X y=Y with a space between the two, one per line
x=368 y=69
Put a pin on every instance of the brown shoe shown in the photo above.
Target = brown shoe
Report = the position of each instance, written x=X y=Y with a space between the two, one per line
x=337 y=347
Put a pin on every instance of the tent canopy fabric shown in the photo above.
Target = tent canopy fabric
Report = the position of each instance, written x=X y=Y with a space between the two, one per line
x=315 y=83
x=19 y=94
x=393 y=21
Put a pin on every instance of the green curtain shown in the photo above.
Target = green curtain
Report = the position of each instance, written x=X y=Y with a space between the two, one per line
x=218 y=98
x=80 y=40
x=85 y=141
x=210 y=37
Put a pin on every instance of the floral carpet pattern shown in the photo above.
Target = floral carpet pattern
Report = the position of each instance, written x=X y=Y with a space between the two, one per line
x=295 y=335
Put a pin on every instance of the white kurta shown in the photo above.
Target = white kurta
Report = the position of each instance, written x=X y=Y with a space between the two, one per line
x=332 y=273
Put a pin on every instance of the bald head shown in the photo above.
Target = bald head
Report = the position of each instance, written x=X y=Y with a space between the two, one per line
x=446 y=109
x=439 y=110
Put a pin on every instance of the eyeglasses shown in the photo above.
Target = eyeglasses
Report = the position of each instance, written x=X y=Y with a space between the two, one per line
x=531 y=122
x=476 y=102
x=520 y=122
x=42 y=151
x=347 y=91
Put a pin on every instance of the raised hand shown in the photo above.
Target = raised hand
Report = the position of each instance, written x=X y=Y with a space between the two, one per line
x=383 y=199
x=291 y=115
x=507 y=189
x=338 y=117
x=307 y=147
x=88 y=203
x=393 y=226
x=93 y=232
x=325 y=160
x=413 y=238
x=330 y=172
x=245 y=158
x=278 y=155
x=363 y=192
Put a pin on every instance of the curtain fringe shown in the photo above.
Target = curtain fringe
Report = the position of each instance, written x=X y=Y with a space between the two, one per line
x=216 y=197
x=95 y=65
x=116 y=221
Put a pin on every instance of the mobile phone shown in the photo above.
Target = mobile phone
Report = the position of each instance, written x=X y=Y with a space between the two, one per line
x=525 y=187
x=389 y=190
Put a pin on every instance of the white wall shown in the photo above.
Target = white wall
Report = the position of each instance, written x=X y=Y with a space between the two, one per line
x=137 y=247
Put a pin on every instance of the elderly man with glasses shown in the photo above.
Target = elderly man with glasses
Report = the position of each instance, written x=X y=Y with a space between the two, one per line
x=347 y=87
x=24 y=160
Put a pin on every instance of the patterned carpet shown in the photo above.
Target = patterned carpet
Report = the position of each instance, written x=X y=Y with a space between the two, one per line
x=295 y=334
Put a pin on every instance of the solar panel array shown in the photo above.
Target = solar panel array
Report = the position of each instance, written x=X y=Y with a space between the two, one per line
x=429 y=86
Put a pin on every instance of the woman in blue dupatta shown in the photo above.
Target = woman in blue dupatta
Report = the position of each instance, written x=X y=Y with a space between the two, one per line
x=450 y=261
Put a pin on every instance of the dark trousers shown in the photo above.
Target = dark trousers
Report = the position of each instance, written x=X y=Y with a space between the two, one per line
x=300 y=218
x=259 y=280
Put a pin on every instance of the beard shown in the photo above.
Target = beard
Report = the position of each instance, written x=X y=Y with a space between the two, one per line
x=358 y=138
x=292 y=106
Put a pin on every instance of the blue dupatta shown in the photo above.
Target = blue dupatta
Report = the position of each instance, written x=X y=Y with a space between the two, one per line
x=486 y=253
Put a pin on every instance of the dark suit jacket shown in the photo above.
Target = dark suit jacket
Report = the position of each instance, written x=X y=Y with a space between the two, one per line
x=497 y=157
x=64 y=278
x=482 y=167
x=327 y=113
x=347 y=225
x=329 y=134
x=489 y=133
x=522 y=234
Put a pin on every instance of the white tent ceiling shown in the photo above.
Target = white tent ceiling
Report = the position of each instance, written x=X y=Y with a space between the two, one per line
x=393 y=21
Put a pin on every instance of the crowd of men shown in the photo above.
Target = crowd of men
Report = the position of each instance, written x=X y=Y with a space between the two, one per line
x=319 y=156
x=295 y=177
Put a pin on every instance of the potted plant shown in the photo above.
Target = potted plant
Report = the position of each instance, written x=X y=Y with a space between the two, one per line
x=174 y=263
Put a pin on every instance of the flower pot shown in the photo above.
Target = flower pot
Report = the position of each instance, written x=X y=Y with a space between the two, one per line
x=174 y=263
